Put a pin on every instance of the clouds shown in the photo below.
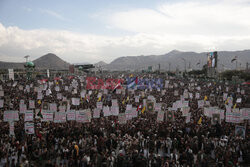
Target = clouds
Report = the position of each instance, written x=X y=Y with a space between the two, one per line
x=219 y=18
x=184 y=25
x=54 y=14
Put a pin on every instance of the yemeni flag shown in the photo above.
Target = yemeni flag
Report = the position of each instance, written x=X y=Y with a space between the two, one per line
x=118 y=86
x=235 y=58
x=133 y=83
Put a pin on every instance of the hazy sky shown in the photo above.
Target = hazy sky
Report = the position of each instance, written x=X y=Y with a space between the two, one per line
x=94 y=30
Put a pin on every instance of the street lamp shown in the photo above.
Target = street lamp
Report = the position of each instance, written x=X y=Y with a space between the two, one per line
x=184 y=63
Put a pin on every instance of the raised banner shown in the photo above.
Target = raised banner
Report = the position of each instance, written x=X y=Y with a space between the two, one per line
x=29 y=115
x=12 y=128
x=200 y=103
x=1 y=93
x=115 y=110
x=31 y=104
x=170 y=116
x=245 y=113
x=53 y=107
x=71 y=115
x=122 y=118
x=11 y=74
x=160 y=116
x=83 y=116
x=10 y=116
x=29 y=128
x=62 y=108
x=96 y=113
x=128 y=114
x=75 y=101
x=99 y=105
x=158 y=107
x=47 y=116
x=106 y=111
x=234 y=117
x=22 y=107
x=240 y=131
x=1 y=103
x=188 y=117
x=60 y=117
x=137 y=99
x=185 y=111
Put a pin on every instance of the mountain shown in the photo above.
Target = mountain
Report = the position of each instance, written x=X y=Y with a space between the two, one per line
x=100 y=64
x=178 y=60
x=172 y=60
x=48 y=61
x=51 y=61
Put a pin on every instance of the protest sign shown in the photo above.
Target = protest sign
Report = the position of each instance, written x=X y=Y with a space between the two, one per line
x=240 y=131
x=96 y=113
x=53 y=107
x=31 y=104
x=60 y=117
x=122 y=118
x=160 y=116
x=29 y=115
x=1 y=103
x=47 y=116
x=106 y=111
x=71 y=115
x=12 y=128
x=10 y=116
x=29 y=128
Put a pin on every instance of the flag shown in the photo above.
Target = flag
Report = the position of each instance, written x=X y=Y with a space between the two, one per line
x=205 y=98
x=227 y=101
x=39 y=102
x=117 y=86
x=235 y=58
x=39 y=114
x=142 y=111
x=99 y=99
x=235 y=105
x=127 y=99
x=77 y=150
x=131 y=75
x=133 y=83
x=123 y=101
x=198 y=63
x=200 y=120
x=139 y=108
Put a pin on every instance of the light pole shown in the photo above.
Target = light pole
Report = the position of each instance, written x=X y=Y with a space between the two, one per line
x=184 y=63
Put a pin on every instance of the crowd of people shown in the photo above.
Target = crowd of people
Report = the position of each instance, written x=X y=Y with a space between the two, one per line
x=142 y=141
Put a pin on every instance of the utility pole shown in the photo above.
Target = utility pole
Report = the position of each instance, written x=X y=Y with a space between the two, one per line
x=184 y=63
x=169 y=66
x=247 y=66
x=236 y=65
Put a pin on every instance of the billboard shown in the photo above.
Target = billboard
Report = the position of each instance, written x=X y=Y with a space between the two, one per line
x=212 y=59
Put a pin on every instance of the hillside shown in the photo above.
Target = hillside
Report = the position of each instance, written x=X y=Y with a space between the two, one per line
x=176 y=59
x=48 y=61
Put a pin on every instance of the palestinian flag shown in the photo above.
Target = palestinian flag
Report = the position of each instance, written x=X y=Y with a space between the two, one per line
x=133 y=83
x=235 y=58
x=139 y=108
x=39 y=114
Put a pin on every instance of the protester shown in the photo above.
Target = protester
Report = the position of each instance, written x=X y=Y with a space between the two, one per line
x=189 y=125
